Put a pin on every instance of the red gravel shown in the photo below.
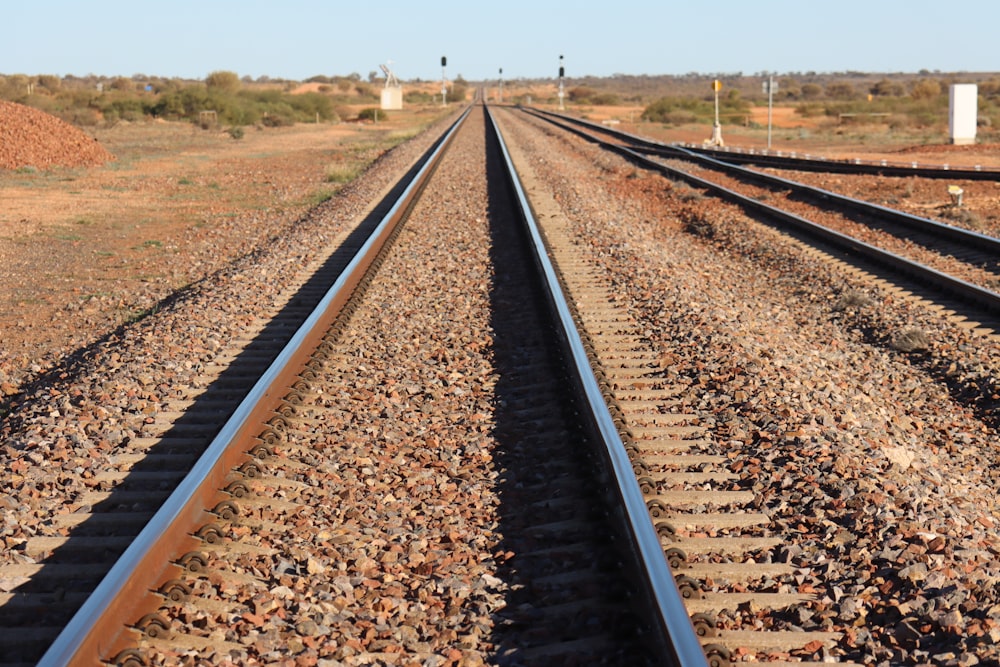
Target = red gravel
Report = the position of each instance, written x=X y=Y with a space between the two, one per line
x=33 y=138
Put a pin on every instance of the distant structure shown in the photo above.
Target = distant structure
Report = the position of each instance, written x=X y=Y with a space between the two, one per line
x=392 y=93
x=963 y=113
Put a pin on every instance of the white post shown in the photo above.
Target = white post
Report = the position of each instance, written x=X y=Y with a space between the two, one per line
x=770 y=100
x=717 y=106
x=444 y=82
x=716 y=139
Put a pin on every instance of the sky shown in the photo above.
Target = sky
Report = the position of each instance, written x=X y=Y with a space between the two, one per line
x=298 y=39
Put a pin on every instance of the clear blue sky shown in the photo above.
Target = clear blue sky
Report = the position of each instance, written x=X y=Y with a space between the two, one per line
x=296 y=39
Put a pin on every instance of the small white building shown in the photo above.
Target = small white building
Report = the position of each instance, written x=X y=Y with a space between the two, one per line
x=963 y=99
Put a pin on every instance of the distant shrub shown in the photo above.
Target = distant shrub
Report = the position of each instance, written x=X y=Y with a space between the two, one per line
x=685 y=109
x=807 y=110
x=811 y=91
x=419 y=97
x=372 y=114
x=605 y=99
x=925 y=89
x=50 y=82
x=841 y=91
x=236 y=132
x=308 y=106
x=225 y=81
x=84 y=117
x=680 y=117
x=581 y=94
x=276 y=118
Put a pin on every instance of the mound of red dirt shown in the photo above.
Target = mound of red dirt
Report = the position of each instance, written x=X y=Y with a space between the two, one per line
x=33 y=138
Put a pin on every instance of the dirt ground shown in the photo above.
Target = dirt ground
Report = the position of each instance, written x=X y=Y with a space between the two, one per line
x=819 y=135
x=83 y=250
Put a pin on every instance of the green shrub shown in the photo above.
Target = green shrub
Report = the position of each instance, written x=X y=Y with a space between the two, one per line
x=222 y=80
x=676 y=110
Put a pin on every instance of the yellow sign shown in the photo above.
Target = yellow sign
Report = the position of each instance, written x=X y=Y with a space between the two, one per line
x=716 y=85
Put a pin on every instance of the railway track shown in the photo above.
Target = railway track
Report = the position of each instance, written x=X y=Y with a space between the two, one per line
x=792 y=160
x=719 y=547
x=959 y=263
x=417 y=487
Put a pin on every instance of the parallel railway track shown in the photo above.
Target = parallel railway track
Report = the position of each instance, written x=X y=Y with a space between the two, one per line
x=581 y=581
x=804 y=162
x=953 y=262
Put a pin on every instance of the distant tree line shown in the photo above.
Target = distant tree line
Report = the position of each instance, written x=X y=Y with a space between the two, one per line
x=913 y=99
x=235 y=101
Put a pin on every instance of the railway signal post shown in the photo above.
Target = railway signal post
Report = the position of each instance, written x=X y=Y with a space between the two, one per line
x=769 y=87
x=444 y=82
x=716 y=139
x=562 y=73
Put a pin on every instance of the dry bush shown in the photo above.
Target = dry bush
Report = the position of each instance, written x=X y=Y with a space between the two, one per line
x=962 y=216
x=697 y=222
x=852 y=300
x=911 y=340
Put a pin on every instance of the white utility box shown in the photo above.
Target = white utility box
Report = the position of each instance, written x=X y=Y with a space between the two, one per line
x=962 y=112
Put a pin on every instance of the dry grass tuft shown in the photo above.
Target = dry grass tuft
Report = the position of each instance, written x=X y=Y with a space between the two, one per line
x=911 y=340
x=852 y=300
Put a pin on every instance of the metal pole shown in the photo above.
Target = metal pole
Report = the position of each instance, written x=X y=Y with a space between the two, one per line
x=444 y=82
x=562 y=72
x=770 y=101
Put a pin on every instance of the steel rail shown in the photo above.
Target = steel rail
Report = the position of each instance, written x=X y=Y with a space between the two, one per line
x=963 y=290
x=94 y=630
x=673 y=619
x=952 y=233
x=779 y=160
x=809 y=163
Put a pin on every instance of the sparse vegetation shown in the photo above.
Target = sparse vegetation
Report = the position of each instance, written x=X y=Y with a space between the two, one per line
x=911 y=340
x=697 y=222
x=342 y=173
x=852 y=299
x=962 y=217
x=680 y=110
x=901 y=101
